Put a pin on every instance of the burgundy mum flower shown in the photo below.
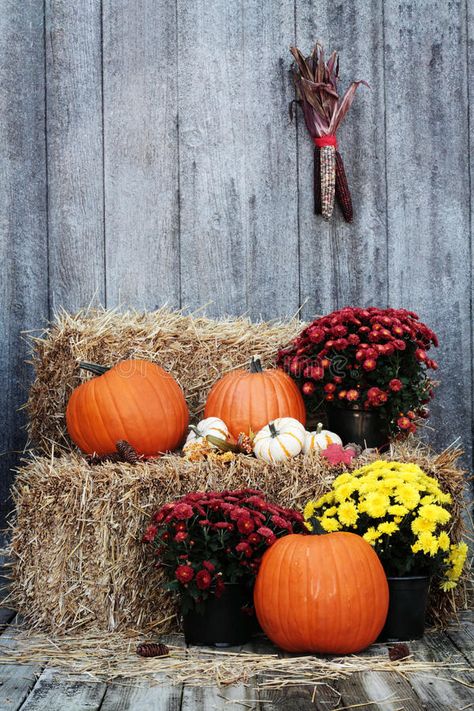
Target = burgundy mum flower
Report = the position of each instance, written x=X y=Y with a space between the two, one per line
x=184 y=573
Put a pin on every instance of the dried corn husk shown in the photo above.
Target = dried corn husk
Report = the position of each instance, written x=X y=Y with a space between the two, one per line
x=323 y=109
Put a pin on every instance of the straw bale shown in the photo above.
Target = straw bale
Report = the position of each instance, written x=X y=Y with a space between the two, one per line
x=77 y=556
x=195 y=349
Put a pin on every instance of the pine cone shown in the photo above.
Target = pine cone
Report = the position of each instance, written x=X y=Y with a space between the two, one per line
x=94 y=459
x=244 y=443
x=398 y=651
x=152 y=649
x=126 y=452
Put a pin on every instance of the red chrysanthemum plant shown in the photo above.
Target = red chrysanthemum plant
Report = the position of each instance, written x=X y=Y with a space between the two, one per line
x=316 y=86
x=207 y=539
x=366 y=358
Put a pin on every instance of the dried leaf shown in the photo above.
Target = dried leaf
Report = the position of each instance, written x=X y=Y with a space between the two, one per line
x=316 y=88
x=345 y=104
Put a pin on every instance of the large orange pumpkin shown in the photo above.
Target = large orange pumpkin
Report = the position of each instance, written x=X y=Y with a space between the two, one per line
x=135 y=400
x=321 y=593
x=247 y=400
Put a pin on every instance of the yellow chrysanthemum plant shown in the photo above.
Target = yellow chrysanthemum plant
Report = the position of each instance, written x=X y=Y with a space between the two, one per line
x=402 y=512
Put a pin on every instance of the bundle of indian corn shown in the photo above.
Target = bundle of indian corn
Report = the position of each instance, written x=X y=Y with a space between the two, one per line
x=323 y=109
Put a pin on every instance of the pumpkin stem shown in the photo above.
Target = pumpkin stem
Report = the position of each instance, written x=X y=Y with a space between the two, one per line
x=94 y=368
x=273 y=429
x=318 y=530
x=319 y=428
x=196 y=431
x=255 y=365
x=222 y=444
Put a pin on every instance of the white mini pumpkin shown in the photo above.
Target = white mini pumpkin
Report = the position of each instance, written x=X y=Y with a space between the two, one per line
x=319 y=439
x=279 y=440
x=210 y=426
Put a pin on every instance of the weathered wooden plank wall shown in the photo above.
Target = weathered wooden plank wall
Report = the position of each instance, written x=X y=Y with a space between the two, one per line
x=148 y=157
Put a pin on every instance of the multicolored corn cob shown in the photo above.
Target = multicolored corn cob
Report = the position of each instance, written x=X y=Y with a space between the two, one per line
x=328 y=180
x=343 y=194
x=317 y=182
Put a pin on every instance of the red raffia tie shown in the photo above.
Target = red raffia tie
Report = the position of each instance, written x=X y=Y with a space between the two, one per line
x=321 y=141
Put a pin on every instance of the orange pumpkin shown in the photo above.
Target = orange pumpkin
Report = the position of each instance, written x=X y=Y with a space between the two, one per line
x=247 y=400
x=321 y=593
x=135 y=400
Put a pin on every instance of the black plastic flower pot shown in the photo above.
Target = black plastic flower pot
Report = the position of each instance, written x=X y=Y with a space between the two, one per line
x=367 y=428
x=407 y=608
x=225 y=621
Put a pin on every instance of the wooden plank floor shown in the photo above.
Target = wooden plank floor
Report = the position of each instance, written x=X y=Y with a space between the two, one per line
x=34 y=688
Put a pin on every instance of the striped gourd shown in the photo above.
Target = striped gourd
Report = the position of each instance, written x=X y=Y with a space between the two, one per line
x=281 y=439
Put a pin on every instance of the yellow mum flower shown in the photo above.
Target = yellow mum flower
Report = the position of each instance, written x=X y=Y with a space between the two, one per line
x=387 y=527
x=309 y=509
x=331 y=511
x=421 y=525
x=443 y=541
x=376 y=504
x=408 y=496
x=371 y=535
x=397 y=510
x=342 y=479
x=427 y=543
x=434 y=513
x=447 y=585
x=347 y=513
x=344 y=491
x=329 y=524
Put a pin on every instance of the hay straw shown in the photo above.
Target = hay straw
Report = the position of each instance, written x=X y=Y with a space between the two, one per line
x=77 y=556
x=107 y=657
x=196 y=350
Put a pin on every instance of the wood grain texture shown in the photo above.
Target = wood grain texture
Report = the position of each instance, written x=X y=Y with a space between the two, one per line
x=140 y=148
x=211 y=148
x=23 y=233
x=470 y=111
x=428 y=191
x=237 y=158
x=75 y=161
x=56 y=692
x=269 y=210
x=345 y=264
x=440 y=692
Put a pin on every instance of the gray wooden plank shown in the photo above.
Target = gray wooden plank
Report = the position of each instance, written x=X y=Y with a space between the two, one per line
x=470 y=97
x=241 y=697
x=211 y=175
x=238 y=208
x=445 y=690
x=267 y=160
x=379 y=690
x=55 y=692
x=16 y=680
x=126 y=697
x=75 y=160
x=346 y=264
x=428 y=191
x=462 y=637
x=140 y=152
x=23 y=243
